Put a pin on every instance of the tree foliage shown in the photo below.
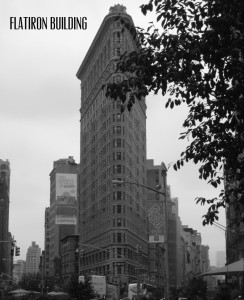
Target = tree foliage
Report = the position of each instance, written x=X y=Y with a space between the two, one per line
x=81 y=290
x=195 y=288
x=194 y=56
x=31 y=282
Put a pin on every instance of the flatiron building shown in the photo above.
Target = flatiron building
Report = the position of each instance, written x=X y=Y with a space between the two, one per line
x=112 y=218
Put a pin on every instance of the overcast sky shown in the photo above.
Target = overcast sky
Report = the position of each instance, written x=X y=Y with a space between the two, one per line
x=39 y=115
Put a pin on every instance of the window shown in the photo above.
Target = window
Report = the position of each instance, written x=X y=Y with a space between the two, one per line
x=119 y=239
x=119 y=252
x=118 y=156
x=117 y=36
x=117 y=130
x=118 y=117
x=119 y=222
x=117 y=195
x=117 y=143
x=117 y=169
x=118 y=209
x=118 y=51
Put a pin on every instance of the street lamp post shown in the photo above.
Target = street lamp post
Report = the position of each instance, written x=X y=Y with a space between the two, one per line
x=137 y=274
x=116 y=181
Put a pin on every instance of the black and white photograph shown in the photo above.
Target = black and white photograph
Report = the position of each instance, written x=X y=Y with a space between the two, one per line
x=121 y=150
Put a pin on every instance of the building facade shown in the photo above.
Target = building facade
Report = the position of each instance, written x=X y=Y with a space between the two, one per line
x=112 y=218
x=5 y=237
x=33 y=258
x=193 y=252
x=157 y=209
x=69 y=258
x=61 y=216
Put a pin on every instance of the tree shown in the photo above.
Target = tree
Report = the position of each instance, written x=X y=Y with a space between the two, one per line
x=31 y=282
x=223 y=293
x=197 y=287
x=195 y=58
x=81 y=290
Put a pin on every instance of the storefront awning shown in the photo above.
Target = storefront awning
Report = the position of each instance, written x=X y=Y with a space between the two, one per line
x=235 y=267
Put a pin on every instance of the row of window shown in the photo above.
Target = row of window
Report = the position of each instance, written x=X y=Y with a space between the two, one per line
x=116 y=143
x=132 y=149
x=95 y=190
x=97 y=69
x=116 y=253
x=90 y=130
x=100 y=115
x=128 y=269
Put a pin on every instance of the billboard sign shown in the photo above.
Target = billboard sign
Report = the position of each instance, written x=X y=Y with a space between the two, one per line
x=66 y=220
x=66 y=186
x=156 y=221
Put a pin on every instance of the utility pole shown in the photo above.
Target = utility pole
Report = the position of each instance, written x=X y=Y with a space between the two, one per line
x=137 y=273
x=166 y=249
x=119 y=286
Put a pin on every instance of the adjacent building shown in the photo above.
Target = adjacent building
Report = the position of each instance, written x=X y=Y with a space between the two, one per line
x=5 y=237
x=220 y=259
x=193 y=252
x=178 y=255
x=19 y=270
x=157 y=204
x=33 y=258
x=61 y=216
x=205 y=258
x=176 y=258
x=112 y=217
x=45 y=254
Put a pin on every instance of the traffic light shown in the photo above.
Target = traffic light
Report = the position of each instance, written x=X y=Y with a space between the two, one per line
x=82 y=252
x=12 y=251
x=17 y=251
